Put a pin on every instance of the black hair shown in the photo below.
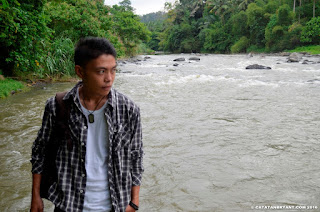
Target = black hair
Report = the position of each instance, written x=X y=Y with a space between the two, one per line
x=90 y=48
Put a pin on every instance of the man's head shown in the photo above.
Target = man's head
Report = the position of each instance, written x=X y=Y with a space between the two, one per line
x=95 y=64
x=90 y=48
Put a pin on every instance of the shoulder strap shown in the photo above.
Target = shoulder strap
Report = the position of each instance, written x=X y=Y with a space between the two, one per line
x=63 y=113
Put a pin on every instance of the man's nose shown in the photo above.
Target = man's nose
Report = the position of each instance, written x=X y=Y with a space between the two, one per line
x=107 y=76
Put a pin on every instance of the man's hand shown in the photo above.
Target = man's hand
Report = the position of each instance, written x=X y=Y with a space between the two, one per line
x=130 y=209
x=36 y=204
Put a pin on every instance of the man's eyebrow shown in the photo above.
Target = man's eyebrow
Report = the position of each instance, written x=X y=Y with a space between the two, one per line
x=102 y=67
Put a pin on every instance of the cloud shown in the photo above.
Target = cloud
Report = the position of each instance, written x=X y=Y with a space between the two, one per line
x=143 y=6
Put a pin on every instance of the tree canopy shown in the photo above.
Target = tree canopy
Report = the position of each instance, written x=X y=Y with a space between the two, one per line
x=225 y=26
x=36 y=35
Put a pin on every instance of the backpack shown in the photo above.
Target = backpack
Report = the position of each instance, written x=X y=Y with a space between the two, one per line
x=60 y=131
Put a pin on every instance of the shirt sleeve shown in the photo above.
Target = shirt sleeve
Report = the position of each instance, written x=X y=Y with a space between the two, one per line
x=137 y=150
x=43 y=137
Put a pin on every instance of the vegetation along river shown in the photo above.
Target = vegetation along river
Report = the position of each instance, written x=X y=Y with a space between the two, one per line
x=217 y=136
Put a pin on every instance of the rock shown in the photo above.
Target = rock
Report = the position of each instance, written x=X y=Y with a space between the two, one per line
x=194 y=58
x=13 y=92
x=2 y=77
x=180 y=59
x=285 y=54
x=294 y=57
x=176 y=64
x=147 y=57
x=256 y=66
x=250 y=55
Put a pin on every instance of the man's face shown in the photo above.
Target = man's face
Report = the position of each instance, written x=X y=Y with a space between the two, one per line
x=98 y=75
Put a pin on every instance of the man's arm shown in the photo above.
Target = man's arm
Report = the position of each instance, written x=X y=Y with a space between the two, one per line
x=36 y=202
x=37 y=158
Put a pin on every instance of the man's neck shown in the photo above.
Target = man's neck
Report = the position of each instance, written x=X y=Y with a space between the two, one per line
x=91 y=101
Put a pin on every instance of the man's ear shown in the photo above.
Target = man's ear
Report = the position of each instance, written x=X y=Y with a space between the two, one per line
x=79 y=71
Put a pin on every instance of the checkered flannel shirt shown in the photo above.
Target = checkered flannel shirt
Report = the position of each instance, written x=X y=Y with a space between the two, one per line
x=125 y=165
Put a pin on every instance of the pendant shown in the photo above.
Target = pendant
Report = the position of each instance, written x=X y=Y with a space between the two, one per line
x=91 y=118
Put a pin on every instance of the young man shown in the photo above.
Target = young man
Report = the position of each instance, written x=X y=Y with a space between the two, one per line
x=102 y=169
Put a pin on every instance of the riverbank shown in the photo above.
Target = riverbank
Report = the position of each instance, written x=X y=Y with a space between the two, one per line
x=10 y=86
x=315 y=49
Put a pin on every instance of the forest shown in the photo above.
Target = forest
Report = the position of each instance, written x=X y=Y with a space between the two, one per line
x=234 y=26
x=37 y=37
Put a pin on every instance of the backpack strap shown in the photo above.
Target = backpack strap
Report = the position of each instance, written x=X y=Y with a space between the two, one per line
x=63 y=114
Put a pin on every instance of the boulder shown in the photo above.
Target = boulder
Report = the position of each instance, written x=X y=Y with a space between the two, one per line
x=194 y=58
x=285 y=54
x=180 y=59
x=176 y=64
x=294 y=57
x=256 y=66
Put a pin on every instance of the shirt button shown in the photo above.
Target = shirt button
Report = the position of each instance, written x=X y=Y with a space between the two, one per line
x=82 y=143
x=81 y=191
x=85 y=127
x=82 y=160
x=83 y=175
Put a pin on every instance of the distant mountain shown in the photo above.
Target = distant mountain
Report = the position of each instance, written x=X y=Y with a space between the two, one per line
x=153 y=17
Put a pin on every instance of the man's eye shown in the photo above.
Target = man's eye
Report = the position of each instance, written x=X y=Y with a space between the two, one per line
x=101 y=72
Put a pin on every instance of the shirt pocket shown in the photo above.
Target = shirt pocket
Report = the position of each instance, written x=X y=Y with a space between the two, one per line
x=122 y=137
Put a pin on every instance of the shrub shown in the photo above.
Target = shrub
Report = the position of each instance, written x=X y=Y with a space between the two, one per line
x=311 y=32
x=241 y=45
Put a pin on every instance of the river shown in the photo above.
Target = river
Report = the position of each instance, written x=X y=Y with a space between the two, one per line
x=217 y=136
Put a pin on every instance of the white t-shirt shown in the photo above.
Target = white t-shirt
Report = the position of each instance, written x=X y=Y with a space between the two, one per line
x=97 y=195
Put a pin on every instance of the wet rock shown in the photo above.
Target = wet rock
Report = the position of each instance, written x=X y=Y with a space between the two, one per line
x=194 y=58
x=147 y=57
x=285 y=54
x=180 y=59
x=314 y=81
x=256 y=66
x=250 y=55
x=176 y=64
x=294 y=57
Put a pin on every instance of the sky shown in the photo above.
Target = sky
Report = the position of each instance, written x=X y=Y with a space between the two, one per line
x=143 y=6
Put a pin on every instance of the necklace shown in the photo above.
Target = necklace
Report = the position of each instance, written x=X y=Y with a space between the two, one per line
x=91 y=115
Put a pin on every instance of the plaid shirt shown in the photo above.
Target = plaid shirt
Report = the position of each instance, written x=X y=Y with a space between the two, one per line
x=125 y=165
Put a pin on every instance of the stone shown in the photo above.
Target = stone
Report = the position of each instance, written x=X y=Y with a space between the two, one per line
x=294 y=57
x=176 y=64
x=194 y=58
x=180 y=59
x=256 y=66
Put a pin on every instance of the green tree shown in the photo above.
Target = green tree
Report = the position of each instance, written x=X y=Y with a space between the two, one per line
x=311 y=32
x=24 y=36
x=257 y=23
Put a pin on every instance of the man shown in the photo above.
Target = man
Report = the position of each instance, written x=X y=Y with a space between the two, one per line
x=102 y=170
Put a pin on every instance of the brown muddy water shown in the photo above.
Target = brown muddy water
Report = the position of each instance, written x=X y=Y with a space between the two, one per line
x=217 y=137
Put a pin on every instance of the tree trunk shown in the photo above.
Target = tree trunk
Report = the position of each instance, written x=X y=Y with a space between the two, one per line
x=314 y=8
x=294 y=6
x=300 y=10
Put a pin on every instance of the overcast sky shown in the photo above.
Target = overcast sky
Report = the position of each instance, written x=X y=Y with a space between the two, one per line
x=143 y=6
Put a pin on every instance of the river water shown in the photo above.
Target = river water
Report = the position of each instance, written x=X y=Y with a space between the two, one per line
x=217 y=137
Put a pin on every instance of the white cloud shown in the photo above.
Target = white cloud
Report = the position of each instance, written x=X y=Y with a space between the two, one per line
x=143 y=6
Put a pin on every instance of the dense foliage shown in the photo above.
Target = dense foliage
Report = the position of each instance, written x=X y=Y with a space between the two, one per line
x=38 y=36
x=224 y=26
